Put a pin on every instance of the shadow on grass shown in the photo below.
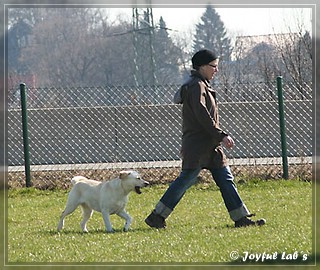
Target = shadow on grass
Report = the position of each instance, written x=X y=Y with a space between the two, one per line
x=95 y=231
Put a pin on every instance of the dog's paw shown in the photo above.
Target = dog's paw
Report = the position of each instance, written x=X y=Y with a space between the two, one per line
x=125 y=229
x=111 y=231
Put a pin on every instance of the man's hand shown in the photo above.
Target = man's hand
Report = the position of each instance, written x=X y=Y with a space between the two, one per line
x=228 y=142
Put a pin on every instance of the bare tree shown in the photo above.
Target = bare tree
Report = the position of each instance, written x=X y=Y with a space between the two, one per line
x=295 y=49
x=81 y=46
x=183 y=41
x=63 y=50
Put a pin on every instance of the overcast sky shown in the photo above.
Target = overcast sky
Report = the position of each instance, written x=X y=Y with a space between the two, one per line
x=238 y=21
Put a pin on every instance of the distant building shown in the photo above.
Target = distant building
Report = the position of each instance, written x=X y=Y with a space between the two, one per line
x=245 y=44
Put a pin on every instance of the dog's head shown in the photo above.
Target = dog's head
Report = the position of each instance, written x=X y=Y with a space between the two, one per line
x=133 y=181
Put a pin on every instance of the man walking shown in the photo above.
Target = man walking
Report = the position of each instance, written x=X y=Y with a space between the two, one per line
x=201 y=146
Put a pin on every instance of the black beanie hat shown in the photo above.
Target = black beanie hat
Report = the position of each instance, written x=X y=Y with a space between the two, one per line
x=203 y=57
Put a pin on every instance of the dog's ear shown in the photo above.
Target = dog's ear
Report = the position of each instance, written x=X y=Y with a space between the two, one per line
x=124 y=174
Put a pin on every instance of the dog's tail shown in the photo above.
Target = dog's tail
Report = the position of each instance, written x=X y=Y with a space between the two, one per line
x=76 y=179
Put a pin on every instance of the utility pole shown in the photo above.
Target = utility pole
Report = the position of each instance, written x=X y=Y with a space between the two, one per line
x=143 y=26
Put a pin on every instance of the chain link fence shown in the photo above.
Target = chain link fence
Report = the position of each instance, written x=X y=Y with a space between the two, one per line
x=97 y=131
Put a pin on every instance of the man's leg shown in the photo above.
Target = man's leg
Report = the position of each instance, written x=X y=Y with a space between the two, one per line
x=237 y=209
x=171 y=197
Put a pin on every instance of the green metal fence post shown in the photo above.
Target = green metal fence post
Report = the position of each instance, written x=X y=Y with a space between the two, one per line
x=25 y=133
x=282 y=129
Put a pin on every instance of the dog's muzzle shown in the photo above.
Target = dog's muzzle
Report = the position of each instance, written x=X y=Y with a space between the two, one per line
x=138 y=188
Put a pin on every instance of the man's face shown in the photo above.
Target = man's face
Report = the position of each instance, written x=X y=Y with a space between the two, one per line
x=209 y=70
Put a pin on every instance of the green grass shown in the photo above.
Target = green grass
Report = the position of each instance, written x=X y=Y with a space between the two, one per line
x=198 y=231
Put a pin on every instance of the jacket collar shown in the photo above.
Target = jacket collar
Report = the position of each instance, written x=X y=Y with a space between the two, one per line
x=195 y=73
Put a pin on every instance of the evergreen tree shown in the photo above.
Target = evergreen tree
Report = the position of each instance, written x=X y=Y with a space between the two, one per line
x=166 y=55
x=211 y=34
x=18 y=38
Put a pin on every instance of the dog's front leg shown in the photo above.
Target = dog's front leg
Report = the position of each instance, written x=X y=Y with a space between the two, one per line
x=106 y=218
x=128 y=219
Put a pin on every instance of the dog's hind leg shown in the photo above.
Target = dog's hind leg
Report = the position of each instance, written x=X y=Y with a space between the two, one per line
x=70 y=207
x=86 y=214
x=128 y=219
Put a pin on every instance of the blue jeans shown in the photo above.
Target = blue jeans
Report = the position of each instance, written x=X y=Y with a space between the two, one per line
x=224 y=180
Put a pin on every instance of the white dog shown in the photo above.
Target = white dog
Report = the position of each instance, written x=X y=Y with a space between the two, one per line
x=109 y=197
